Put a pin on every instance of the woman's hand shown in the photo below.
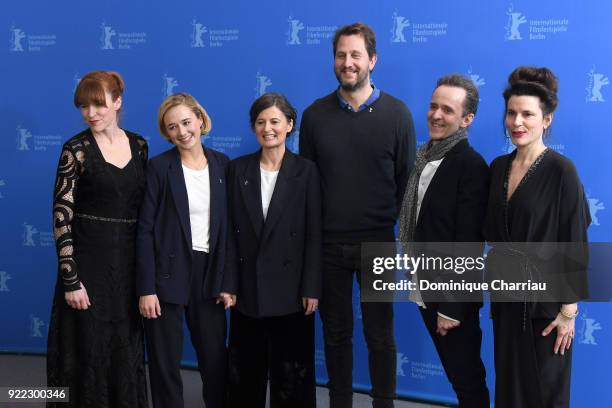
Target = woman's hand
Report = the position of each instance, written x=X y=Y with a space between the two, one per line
x=149 y=306
x=228 y=300
x=78 y=299
x=310 y=305
x=565 y=329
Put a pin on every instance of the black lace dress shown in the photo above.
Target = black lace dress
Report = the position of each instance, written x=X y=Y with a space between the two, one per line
x=99 y=352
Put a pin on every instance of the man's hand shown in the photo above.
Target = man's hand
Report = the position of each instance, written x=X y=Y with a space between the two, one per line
x=444 y=325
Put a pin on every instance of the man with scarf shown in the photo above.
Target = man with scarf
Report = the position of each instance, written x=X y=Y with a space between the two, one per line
x=445 y=201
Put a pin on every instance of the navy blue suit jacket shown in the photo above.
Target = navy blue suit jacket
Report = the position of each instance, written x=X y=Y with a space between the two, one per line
x=163 y=243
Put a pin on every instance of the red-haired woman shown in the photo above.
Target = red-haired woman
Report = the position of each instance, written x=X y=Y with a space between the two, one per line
x=95 y=343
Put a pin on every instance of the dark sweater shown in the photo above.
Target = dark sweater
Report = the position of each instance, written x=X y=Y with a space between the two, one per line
x=364 y=159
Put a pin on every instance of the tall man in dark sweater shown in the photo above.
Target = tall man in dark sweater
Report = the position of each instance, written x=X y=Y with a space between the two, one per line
x=362 y=140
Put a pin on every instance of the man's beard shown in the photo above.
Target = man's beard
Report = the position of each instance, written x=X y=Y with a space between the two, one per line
x=351 y=87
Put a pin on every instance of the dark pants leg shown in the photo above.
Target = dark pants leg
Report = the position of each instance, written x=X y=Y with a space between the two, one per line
x=164 y=338
x=284 y=345
x=248 y=367
x=291 y=345
x=459 y=352
x=340 y=262
x=207 y=326
x=382 y=354
x=337 y=316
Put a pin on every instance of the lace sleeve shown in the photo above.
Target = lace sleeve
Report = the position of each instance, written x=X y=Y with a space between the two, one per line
x=63 y=214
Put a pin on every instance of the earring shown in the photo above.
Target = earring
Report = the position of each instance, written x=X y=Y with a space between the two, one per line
x=507 y=145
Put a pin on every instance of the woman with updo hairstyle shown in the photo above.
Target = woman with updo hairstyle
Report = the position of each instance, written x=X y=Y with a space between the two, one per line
x=95 y=345
x=181 y=255
x=273 y=265
x=536 y=224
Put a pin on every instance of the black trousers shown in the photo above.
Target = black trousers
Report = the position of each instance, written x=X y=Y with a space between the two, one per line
x=459 y=352
x=340 y=262
x=279 y=348
x=164 y=338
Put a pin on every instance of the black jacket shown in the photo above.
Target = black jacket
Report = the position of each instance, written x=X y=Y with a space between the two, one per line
x=454 y=208
x=272 y=264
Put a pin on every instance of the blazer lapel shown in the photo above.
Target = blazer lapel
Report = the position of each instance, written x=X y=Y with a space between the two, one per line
x=250 y=186
x=179 y=193
x=217 y=194
x=439 y=175
x=281 y=194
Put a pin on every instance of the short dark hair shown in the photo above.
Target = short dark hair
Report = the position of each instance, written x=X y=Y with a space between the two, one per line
x=268 y=100
x=470 y=103
x=361 y=29
x=534 y=81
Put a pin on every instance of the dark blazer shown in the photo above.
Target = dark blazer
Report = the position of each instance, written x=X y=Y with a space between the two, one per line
x=272 y=264
x=454 y=208
x=163 y=243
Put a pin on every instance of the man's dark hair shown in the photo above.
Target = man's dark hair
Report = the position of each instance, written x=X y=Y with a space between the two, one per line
x=358 y=29
x=470 y=104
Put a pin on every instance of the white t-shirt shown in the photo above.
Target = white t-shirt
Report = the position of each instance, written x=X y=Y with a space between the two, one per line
x=198 y=195
x=268 y=181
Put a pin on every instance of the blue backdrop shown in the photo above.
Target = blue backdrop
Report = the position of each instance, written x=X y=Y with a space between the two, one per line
x=226 y=54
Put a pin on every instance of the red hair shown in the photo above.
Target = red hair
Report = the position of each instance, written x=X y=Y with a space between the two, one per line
x=93 y=86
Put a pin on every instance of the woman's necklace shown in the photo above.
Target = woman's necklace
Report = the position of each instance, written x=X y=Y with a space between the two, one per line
x=197 y=166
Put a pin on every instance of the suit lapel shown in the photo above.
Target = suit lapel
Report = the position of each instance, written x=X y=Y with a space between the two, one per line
x=217 y=192
x=281 y=194
x=439 y=177
x=179 y=193
x=250 y=186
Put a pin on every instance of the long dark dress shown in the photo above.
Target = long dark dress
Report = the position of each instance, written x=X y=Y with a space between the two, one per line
x=547 y=206
x=99 y=352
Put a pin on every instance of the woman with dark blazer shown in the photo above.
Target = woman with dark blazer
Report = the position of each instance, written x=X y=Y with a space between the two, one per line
x=181 y=255
x=273 y=265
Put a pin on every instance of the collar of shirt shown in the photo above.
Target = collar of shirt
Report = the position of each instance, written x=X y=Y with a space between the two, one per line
x=373 y=97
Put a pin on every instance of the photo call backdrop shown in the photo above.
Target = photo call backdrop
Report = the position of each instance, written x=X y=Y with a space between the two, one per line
x=227 y=53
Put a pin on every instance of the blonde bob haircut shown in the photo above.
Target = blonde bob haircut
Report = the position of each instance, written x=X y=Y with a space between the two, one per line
x=190 y=102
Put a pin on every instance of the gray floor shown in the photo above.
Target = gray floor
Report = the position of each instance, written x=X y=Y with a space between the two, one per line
x=27 y=370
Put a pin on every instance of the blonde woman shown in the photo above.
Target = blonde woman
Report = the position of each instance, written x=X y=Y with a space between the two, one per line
x=181 y=253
